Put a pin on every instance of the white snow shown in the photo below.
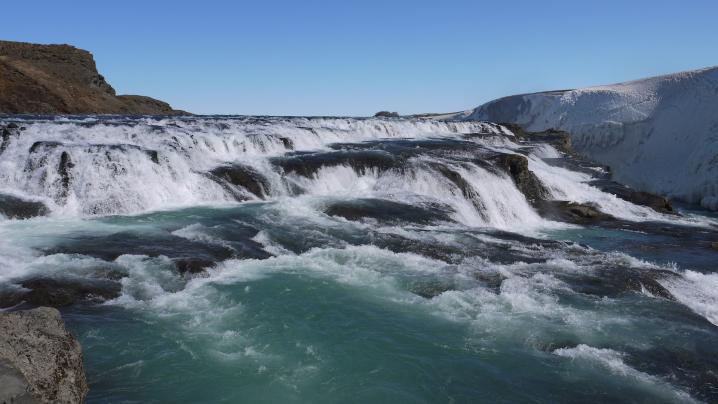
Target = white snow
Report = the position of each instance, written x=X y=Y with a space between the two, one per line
x=658 y=134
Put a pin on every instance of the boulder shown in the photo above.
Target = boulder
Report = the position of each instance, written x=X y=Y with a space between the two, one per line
x=40 y=361
x=242 y=176
x=572 y=212
x=13 y=207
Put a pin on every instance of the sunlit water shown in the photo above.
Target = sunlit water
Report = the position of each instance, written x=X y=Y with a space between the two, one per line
x=485 y=301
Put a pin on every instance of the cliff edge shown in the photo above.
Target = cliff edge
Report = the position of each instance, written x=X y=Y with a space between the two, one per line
x=62 y=79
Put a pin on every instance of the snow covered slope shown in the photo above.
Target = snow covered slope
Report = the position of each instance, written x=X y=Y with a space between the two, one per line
x=658 y=134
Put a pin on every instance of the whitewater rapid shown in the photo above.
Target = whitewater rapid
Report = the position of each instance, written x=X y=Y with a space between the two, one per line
x=266 y=254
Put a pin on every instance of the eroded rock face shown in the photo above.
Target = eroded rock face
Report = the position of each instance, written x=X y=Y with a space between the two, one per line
x=517 y=167
x=62 y=79
x=242 y=176
x=40 y=361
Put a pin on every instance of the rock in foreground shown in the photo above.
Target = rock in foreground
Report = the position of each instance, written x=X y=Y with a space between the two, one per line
x=40 y=361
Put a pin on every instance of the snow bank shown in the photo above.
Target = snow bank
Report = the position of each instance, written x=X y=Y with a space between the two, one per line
x=658 y=134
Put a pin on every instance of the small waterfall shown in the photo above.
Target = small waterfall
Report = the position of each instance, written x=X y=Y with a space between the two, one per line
x=104 y=166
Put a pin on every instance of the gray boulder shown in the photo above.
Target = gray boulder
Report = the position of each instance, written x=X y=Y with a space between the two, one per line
x=40 y=361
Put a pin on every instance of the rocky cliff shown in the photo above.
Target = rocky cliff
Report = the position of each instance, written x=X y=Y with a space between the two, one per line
x=62 y=79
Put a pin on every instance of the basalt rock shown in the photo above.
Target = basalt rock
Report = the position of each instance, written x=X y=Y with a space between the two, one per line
x=572 y=212
x=64 y=292
x=242 y=176
x=517 y=167
x=307 y=164
x=616 y=281
x=557 y=138
x=385 y=211
x=655 y=202
x=192 y=266
x=13 y=207
x=40 y=361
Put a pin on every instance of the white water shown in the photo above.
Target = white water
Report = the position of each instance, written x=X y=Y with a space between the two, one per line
x=114 y=174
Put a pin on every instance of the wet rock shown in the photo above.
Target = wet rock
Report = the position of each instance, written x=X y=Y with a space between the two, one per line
x=6 y=132
x=466 y=189
x=694 y=367
x=430 y=289
x=517 y=167
x=65 y=170
x=40 y=361
x=655 y=202
x=307 y=164
x=13 y=207
x=242 y=176
x=153 y=155
x=436 y=251
x=559 y=139
x=384 y=211
x=572 y=212
x=61 y=292
x=287 y=142
x=192 y=265
x=616 y=281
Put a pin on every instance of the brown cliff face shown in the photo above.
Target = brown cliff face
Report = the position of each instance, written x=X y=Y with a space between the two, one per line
x=61 y=79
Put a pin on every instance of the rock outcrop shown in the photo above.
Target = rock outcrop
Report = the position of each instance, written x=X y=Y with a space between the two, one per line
x=62 y=79
x=40 y=361
x=386 y=114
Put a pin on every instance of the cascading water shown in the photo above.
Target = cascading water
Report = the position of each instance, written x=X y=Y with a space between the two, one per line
x=342 y=259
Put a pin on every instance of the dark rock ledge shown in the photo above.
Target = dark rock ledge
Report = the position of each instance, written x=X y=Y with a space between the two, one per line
x=40 y=361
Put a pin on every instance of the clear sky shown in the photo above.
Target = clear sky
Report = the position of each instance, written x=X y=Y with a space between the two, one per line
x=358 y=57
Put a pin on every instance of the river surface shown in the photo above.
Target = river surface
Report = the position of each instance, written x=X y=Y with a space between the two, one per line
x=326 y=260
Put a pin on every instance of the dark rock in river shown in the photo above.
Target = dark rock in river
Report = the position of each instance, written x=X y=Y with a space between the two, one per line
x=242 y=176
x=192 y=266
x=571 y=212
x=64 y=292
x=517 y=167
x=615 y=281
x=557 y=138
x=307 y=164
x=65 y=171
x=386 y=211
x=655 y=202
x=13 y=207
x=40 y=361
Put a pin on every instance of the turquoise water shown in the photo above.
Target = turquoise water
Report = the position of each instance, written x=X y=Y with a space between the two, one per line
x=327 y=260
x=344 y=324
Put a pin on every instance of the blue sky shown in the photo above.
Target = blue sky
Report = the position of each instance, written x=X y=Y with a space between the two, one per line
x=358 y=57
